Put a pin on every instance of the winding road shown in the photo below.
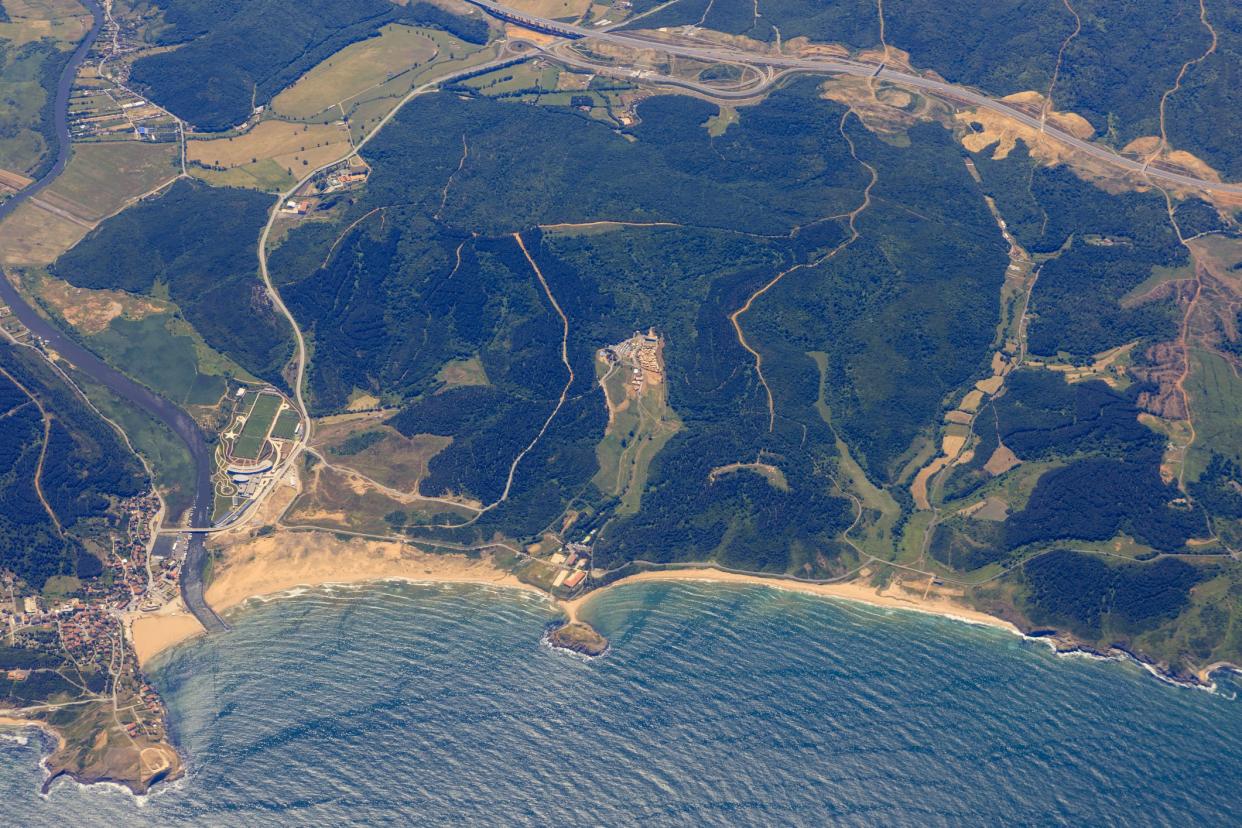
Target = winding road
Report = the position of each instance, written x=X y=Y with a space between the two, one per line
x=770 y=69
x=671 y=44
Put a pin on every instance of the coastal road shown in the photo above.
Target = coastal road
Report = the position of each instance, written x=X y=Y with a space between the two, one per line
x=674 y=45
x=181 y=423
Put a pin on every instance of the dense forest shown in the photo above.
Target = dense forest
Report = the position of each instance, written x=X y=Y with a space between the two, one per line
x=1202 y=116
x=197 y=243
x=1091 y=597
x=1104 y=479
x=61 y=469
x=433 y=274
x=1104 y=247
x=232 y=56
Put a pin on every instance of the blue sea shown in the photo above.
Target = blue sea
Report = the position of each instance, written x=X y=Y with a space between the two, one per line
x=717 y=705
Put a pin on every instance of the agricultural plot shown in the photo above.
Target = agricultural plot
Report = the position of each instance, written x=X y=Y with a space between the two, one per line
x=332 y=85
x=266 y=157
x=99 y=180
x=366 y=109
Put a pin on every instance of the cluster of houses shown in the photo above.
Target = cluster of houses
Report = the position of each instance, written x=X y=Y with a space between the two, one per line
x=574 y=562
x=641 y=354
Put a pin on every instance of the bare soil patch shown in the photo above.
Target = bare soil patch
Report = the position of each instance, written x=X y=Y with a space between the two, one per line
x=1001 y=461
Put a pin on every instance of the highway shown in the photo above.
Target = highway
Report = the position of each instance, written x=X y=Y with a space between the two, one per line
x=670 y=44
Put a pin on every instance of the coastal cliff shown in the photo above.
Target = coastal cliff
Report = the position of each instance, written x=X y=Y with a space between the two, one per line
x=90 y=749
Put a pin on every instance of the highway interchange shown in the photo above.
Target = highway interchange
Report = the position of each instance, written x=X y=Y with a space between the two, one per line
x=682 y=46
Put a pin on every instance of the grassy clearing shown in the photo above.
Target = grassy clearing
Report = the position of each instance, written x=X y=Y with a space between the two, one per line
x=165 y=361
x=1215 y=393
x=719 y=123
x=355 y=69
x=639 y=426
x=881 y=511
x=462 y=372
x=102 y=177
x=366 y=110
x=266 y=175
x=254 y=159
x=387 y=457
x=332 y=500
x=159 y=446
x=36 y=31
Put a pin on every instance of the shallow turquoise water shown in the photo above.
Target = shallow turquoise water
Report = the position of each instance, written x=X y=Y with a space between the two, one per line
x=717 y=705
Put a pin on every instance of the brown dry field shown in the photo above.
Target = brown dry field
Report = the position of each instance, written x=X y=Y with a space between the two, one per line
x=285 y=143
x=396 y=461
x=334 y=499
x=1001 y=461
x=552 y=9
x=99 y=180
x=33 y=236
x=90 y=311
x=13 y=180
x=101 y=177
x=993 y=509
x=771 y=473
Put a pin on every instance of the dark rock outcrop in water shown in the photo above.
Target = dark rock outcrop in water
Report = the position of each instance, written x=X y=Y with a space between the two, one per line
x=578 y=638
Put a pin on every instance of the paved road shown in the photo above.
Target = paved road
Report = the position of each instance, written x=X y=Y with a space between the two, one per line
x=181 y=423
x=670 y=44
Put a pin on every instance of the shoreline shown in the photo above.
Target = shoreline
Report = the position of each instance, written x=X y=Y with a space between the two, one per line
x=891 y=597
x=263 y=568
x=17 y=722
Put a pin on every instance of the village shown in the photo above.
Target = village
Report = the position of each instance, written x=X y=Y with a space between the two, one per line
x=101 y=107
x=641 y=355
x=574 y=562
x=86 y=625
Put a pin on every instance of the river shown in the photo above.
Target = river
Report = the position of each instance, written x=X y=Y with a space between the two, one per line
x=181 y=423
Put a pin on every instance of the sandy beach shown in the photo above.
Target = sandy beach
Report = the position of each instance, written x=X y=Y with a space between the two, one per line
x=936 y=602
x=269 y=565
x=154 y=632
x=259 y=567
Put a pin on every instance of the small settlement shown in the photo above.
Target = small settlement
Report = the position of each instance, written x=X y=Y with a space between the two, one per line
x=641 y=355
x=319 y=192
x=574 y=562
x=87 y=624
